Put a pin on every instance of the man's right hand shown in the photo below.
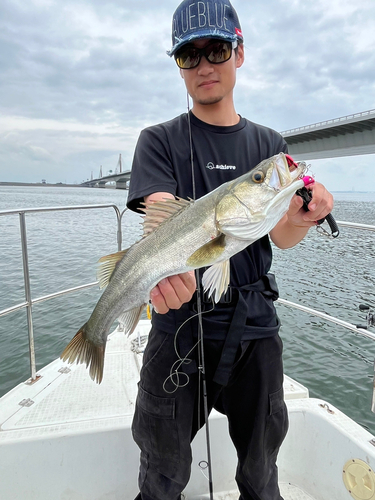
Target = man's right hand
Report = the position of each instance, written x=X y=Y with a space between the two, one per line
x=173 y=292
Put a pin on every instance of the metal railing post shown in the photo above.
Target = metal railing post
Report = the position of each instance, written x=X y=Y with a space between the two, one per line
x=119 y=228
x=26 y=276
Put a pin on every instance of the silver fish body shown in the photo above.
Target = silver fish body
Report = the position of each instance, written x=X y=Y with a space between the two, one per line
x=181 y=236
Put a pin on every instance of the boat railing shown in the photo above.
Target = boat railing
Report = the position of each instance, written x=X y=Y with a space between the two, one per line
x=327 y=317
x=359 y=329
x=29 y=301
x=355 y=225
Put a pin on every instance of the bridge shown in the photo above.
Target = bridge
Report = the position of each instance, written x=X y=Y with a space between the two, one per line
x=346 y=136
x=121 y=180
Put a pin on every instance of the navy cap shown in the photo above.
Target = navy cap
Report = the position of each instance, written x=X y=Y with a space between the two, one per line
x=205 y=19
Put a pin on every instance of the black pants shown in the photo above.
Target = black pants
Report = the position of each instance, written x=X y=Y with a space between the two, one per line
x=165 y=424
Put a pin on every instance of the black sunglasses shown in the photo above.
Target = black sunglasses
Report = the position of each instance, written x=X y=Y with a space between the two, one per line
x=216 y=52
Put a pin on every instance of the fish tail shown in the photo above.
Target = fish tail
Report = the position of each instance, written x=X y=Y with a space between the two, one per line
x=82 y=350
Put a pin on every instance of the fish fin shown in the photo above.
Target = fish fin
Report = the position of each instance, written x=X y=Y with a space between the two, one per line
x=250 y=231
x=130 y=319
x=81 y=350
x=160 y=211
x=207 y=253
x=107 y=265
x=216 y=279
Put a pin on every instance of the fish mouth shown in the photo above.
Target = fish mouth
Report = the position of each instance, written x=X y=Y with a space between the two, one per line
x=281 y=176
x=283 y=181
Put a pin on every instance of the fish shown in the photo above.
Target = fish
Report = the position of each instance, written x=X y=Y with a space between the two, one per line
x=179 y=236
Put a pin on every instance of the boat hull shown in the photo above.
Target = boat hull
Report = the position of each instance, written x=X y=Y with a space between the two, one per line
x=71 y=439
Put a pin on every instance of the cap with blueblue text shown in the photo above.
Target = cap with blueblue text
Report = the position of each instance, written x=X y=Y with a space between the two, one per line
x=205 y=19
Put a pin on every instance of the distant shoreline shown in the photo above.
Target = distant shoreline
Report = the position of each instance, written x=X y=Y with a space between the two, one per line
x=37 y=184
x=353 y=192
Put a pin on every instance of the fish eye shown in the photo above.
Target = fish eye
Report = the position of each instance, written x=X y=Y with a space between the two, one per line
x=258 y=177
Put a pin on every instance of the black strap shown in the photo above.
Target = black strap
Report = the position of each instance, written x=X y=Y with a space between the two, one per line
x=268 y=287
x=232 y=341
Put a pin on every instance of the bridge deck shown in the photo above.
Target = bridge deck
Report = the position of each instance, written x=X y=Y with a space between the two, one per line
x=345 y=136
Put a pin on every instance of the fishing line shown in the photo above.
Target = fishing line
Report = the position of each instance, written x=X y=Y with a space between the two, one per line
x=191 y=148
x=174 y=376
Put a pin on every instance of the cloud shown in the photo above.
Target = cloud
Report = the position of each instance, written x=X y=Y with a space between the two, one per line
x=81 y=78
x=307 y=55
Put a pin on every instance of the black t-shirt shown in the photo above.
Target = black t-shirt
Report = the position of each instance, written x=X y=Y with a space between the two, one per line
x=162 y=162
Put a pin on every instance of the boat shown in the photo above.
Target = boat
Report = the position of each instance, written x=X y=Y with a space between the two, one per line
x=64 y=437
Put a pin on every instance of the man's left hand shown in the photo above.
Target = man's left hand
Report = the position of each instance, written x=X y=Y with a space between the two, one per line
x=319 y=207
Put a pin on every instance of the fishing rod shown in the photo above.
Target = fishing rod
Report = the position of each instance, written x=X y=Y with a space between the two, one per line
x=201 y=359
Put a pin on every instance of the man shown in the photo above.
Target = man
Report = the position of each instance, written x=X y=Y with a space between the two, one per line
x=188 y=157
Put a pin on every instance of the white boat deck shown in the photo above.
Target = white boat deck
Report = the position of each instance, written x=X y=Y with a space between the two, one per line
x=66 y=399
x=65 y=422
x=288 y=492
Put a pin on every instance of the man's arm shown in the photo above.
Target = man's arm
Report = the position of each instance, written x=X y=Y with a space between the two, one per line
x=176 y=290
x=293 y=227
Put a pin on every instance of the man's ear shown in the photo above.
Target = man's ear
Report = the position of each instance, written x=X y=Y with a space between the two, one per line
x=240 y=55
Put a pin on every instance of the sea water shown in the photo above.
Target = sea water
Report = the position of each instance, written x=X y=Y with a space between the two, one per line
x=331 y=275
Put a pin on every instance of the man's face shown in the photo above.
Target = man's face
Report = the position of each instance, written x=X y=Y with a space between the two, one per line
x=211 y=83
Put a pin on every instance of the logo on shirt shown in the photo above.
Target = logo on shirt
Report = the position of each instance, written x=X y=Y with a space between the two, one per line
x=212 y=166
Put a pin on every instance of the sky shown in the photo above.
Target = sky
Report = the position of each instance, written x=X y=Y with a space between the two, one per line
x=81 y=78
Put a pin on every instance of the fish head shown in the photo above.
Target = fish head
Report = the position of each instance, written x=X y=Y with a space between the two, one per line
x=260 y=196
